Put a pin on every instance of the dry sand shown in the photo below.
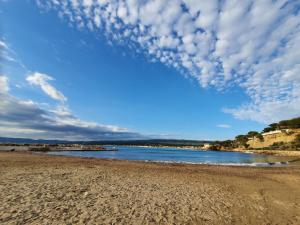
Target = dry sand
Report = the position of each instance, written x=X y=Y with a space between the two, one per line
x=42 y=189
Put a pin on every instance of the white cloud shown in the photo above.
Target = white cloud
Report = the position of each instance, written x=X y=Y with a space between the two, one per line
x=224 y=126
x=5 y=52
x=4 y=88
x=251 y=44
x=28 y=119
x=3 y=45
x=41 y=80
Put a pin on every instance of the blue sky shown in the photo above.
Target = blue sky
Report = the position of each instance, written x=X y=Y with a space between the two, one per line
x=110 y=81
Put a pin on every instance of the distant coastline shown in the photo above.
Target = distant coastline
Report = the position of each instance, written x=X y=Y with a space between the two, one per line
x=47 y=148
x=281 y=139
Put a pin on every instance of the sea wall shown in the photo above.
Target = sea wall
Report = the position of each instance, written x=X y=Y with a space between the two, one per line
x=273 y=137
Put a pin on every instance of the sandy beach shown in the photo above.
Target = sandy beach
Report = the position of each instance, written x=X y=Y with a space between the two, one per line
x=43 y=189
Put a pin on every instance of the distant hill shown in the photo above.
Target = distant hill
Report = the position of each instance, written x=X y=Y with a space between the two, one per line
x=150 y=142
x=30 y=141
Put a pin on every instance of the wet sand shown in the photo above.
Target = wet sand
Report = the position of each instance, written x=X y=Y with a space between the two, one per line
x=44 y=189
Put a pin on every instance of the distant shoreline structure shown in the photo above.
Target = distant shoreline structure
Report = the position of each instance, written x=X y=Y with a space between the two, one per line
x=46 y=148
x=282 y=138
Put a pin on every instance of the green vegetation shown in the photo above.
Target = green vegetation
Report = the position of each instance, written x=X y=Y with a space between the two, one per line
x=240 y=141
x=284 y=124
x=296 y=142
x=252 y=134
x=294 y=145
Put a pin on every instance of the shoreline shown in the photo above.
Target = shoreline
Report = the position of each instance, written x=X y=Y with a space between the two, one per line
x=41 y=189
x=286 y=163
x=115 y=160
x=287 y=153
x=251 y=151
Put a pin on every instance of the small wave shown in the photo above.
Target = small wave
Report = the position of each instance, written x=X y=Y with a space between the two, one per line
x=266 y=164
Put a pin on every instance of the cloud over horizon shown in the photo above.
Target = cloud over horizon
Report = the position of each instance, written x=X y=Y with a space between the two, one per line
x=28 y=119
x=253 y=45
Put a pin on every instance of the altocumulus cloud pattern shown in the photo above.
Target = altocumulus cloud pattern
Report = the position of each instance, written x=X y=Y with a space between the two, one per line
x=253 y=45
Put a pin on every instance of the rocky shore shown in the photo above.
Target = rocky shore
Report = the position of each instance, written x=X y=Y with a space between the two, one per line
x=287 y=153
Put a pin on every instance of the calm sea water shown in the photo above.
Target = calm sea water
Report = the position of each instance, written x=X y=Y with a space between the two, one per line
x=172 y=155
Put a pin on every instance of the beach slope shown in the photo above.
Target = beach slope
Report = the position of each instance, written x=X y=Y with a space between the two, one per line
x=44 y=189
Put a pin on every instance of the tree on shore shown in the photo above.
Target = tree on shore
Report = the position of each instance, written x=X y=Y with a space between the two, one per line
x=242 y=140
x=284 y=124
